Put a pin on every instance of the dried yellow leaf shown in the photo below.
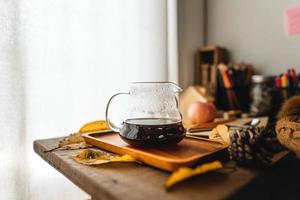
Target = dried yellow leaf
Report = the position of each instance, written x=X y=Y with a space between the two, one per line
x=220 y=134
x=224 y=133
x=214 y=134
x=74 y=138
x=81 y=145
x=93 y=157
x=185 y=173
x=124 y=158
x=94 y=126
x=75 y=141
x=88 y=154
x=71 y=142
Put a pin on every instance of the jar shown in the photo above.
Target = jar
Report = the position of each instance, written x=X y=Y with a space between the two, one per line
x=261 y=95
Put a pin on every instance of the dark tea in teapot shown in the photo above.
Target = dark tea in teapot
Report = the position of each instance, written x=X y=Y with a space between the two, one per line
x=152 y=114
x=147 y=132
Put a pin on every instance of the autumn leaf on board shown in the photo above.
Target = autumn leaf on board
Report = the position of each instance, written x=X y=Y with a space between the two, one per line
x=93 y=157
x=185 y=173
x=94 y=126
x=76 y=141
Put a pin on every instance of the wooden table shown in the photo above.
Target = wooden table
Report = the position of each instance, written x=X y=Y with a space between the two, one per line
x=135 y=181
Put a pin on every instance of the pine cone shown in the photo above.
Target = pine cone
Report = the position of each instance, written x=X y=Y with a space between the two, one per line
x=253 y=146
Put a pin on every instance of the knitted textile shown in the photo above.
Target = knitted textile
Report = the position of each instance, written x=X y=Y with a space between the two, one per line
x=288 y=125
x=288 y=134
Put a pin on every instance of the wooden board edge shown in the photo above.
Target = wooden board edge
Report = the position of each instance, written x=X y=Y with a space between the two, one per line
x=147 y=158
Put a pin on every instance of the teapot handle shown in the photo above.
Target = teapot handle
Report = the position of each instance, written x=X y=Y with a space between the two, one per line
x=177 y=106
x=111 y=125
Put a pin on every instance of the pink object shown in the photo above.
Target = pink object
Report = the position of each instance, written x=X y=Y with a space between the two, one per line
x=292 y=20
x=199 y=112
x=278 y=82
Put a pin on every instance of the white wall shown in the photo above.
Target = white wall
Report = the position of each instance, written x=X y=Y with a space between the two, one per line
x=191 y=37
x=253 y=31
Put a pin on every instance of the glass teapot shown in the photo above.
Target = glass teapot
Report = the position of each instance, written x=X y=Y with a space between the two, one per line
x=153 y=116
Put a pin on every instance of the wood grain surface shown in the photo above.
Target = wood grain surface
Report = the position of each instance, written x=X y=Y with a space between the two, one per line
x=135 y=181
x=169 y=158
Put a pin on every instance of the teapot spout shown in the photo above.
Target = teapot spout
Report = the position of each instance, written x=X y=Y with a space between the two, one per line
x=175 y=87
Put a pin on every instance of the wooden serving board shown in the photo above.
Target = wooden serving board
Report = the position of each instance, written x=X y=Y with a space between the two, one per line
x=185 y=153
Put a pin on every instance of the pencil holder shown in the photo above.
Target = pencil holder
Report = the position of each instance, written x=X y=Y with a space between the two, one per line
x=261 y=95
x=233 y=98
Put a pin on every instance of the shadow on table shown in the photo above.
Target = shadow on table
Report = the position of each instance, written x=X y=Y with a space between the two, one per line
x=281 y=181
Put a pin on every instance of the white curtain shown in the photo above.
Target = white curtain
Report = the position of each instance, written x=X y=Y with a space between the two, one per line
x=60 y=61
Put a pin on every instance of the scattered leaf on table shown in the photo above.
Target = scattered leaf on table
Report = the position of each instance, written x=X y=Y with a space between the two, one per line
x=224 y=133
x=221 y=134
x=81 y=145
x=214 y=134
x=185 y=173
x=94 y=126
x=73 y=138
x=124 y=158
x=93 y=157
x=75 y=141
x=71 y=142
